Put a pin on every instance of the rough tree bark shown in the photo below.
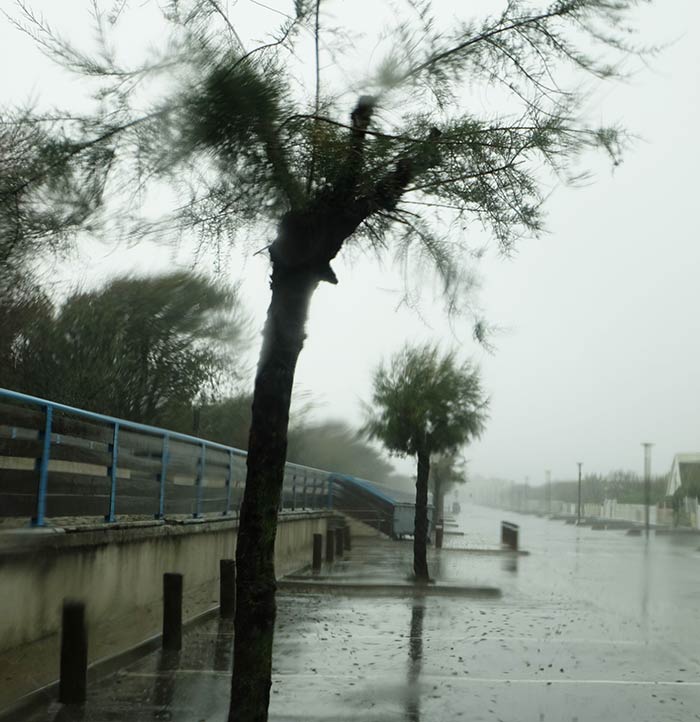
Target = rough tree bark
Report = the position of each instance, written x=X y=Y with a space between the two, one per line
x=283 y=338
x=420 y=531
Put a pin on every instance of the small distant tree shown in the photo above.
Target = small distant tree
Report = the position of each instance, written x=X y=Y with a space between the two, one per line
x=138 y=348
x=425 y=403
x=446 y=471
x=335 y=446
x=224 y=419
x=24 y=307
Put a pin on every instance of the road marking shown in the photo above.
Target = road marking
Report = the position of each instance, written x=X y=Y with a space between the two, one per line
x=325 y=636
x=431 y=678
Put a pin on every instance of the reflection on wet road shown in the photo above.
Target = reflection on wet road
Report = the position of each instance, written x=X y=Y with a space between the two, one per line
x=415 y=656
x=592 y=625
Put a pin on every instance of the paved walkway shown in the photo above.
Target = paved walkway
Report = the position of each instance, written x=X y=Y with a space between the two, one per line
x=593 y=625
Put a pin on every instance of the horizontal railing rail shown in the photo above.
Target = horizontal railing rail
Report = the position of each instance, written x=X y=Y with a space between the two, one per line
x=57 y=460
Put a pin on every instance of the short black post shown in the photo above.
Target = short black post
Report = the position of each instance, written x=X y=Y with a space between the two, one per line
x=348 y=541
x=330 y=545
x=509 y=535
x=172 y=611
x=227 y=587
x=339 y=538
x=438 y=536
x=318 y=552
x=73 y=682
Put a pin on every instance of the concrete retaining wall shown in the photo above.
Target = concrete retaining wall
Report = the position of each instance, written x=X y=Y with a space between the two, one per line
x=118 y=573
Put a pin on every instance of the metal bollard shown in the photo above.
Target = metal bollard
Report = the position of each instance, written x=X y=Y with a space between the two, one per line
x=172 y=611
x=318 y=552
x=227 y=587
x=73 y=681
x=438 y=537
x=339 y=538
x=330 y=545
x=348 y=544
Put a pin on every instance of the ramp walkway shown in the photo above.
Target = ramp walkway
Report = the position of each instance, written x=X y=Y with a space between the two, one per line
x=390 y=511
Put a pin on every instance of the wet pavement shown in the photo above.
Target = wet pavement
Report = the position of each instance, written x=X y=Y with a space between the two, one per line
x=592 y=625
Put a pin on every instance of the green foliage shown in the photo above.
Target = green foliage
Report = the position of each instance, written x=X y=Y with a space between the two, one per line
x=24 y=309
x=224 y=420
x=333 y=445
x=625 y=486
x=447 y=470
x=329 y=445
x=49 y=186
x=136 y=348
x=241 y=140
x=423 y=401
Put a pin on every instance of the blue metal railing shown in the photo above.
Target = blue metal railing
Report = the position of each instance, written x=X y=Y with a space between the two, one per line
x=315 y=481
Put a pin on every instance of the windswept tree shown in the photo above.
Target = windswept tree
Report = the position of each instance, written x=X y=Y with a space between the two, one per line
x=424 y=403
x=49 y=188
x=458 y=120
x=216 y=417
x=335 y=446
x=138 y=348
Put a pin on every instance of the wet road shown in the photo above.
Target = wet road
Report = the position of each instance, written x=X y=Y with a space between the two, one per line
x=592 y=625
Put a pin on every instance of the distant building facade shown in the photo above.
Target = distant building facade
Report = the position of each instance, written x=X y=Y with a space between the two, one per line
x=684 y=471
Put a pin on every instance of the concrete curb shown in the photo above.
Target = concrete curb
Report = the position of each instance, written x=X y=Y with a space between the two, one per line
x=384 y=589
x=506 y=552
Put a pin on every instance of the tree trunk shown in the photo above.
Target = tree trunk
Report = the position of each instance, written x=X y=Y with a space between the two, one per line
x=420 y=531
x=283 y=338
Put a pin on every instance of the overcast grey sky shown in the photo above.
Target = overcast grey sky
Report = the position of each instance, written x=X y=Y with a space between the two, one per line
x=599 y=347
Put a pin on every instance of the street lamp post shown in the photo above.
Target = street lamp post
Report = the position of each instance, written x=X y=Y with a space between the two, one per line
x=647 y=483
x=578 y=513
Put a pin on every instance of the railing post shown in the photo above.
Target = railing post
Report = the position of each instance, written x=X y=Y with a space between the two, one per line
x=229 y=475
x=112 y=471
x=164 y=458
x=303 y=495
x=294 y=492
x=200 y=482
x=43 y=468
x=330 y=493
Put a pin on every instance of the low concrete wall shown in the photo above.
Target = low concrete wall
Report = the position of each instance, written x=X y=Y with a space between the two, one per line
x=628 y=512
x=360 y=529
x=118 y=573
